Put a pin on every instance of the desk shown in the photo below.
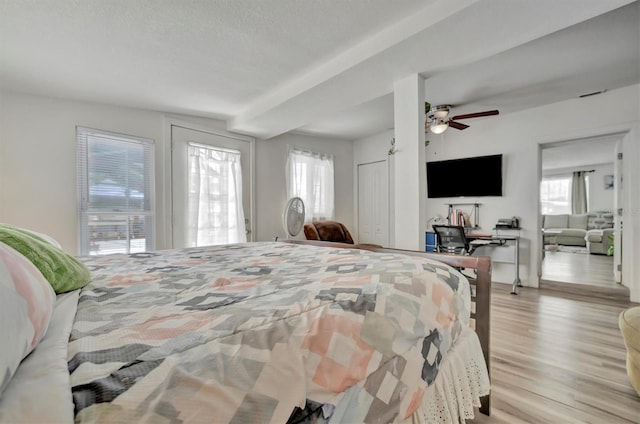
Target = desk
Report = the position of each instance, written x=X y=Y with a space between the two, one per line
x=501 y=248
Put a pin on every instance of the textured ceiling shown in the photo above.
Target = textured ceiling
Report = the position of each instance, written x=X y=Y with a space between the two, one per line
x=322 y=67
x=203 y=57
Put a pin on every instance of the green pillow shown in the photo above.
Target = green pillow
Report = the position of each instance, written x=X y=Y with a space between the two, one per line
x=63 y=271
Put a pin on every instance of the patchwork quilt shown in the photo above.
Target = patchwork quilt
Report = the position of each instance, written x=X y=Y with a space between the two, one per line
x=261 y=332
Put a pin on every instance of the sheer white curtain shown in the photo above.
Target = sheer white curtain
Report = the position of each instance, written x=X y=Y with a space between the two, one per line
x=309 y=175
x=215 y=214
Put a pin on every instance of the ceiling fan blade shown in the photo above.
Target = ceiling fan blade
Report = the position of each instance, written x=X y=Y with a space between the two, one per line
x=458 y=125
x=477 y=114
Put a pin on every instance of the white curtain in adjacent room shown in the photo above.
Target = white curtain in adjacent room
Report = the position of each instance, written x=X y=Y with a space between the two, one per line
x=215 y=212
x=578 y=193
x=309 y=175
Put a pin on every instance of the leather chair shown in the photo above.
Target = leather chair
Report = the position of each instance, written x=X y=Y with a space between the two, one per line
x=327 y=231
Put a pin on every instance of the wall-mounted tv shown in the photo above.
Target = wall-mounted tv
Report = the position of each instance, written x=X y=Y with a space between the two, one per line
x=467 y=177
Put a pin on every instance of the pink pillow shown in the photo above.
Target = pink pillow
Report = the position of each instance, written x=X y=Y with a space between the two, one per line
x=26 y=306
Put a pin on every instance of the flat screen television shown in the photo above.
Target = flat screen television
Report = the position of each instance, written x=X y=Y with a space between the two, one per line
x=467 y=177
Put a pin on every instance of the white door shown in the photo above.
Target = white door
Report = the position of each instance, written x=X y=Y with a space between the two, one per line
x=373 y=203
x=617 y=217
x=181 y=139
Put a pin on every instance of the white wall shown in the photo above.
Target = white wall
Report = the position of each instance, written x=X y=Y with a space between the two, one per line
x=518 y=137
x=600 y=199
x=271 y=189
x=38 y=164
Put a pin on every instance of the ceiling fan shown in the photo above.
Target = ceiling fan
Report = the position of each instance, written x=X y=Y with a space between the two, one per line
x=438 y=119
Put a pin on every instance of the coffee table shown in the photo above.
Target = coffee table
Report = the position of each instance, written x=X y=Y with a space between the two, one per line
x=553 y=240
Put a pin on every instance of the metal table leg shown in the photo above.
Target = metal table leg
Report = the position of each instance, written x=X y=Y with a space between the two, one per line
x=516 y=282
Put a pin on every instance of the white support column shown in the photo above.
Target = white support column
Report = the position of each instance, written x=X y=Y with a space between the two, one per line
x=408 y=173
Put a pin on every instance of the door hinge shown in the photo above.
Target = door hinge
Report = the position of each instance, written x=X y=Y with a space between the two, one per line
x=620 y=156
x=619 y=211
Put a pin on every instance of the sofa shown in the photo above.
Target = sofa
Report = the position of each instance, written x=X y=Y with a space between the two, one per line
x=567 y=230
x=598 y=240
x=591 y=230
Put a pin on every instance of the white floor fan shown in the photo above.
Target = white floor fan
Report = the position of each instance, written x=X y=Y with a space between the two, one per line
x=293 y=217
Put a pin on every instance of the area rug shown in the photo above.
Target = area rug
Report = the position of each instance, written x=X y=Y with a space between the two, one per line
x=568 y=249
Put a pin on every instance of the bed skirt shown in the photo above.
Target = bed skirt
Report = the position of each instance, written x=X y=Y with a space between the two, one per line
x=456 y=391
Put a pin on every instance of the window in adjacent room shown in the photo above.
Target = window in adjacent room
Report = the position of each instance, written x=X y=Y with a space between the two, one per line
x=310 y=177
x=115 y=192
x=555 y=194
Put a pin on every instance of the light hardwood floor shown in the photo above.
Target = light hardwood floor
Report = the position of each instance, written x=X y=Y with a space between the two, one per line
x=581 y=274
x=558 y=358
x=582 y=268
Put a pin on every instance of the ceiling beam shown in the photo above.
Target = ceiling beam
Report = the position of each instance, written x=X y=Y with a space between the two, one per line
x=445 y=34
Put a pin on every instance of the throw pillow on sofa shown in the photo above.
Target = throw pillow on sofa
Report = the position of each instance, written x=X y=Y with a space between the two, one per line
x=556 y=221
x=599 y=220
x=578 y=221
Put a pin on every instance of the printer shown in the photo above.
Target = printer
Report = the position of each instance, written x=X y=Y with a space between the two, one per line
x=506 y=223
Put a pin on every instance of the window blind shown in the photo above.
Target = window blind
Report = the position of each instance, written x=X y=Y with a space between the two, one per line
x=115 y=192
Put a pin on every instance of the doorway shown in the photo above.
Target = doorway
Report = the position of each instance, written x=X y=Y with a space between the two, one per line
x=211 y=188
x=573 y=258
x=373 y=203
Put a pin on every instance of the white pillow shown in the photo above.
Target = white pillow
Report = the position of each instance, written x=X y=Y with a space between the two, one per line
x=26 y=306
x=578 y=221
x=556 y=221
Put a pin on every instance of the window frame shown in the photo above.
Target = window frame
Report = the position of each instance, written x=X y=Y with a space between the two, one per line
x=556 y=177
x=290 y=163
x=83 y=187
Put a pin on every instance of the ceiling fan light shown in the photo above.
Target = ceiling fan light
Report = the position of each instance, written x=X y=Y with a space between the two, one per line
x=438 y=127
x=441 y=111
x=440 y=114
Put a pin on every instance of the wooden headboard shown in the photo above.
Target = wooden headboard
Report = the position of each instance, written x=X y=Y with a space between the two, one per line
x=480 y=289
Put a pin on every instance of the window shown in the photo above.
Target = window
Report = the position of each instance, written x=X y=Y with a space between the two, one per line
x=555 y=194
x=115 y=192
x=215 y=212
x=310 y=177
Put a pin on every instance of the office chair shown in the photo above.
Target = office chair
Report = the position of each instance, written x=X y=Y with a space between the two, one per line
x=451 y=239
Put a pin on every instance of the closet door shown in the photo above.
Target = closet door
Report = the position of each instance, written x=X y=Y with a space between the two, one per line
x=373 y=203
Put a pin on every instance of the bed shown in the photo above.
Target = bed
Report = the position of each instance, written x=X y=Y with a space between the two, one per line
x=282 y=332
